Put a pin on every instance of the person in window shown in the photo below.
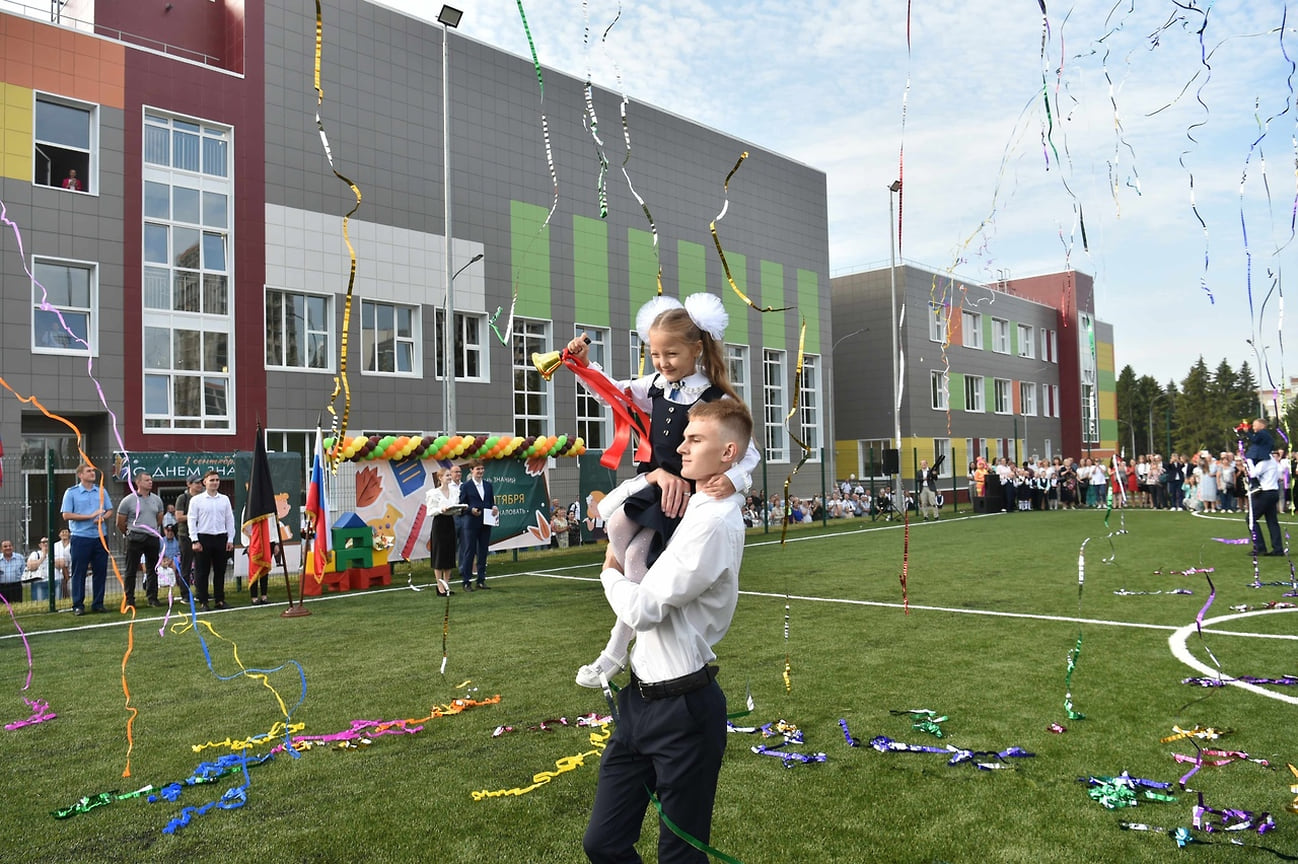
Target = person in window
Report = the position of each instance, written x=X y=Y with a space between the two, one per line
x=72 y=182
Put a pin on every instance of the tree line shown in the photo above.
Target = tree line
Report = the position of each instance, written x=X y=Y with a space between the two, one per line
x=1200 y=413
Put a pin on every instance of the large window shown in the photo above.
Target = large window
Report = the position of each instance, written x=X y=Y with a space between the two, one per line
x=1086 y=356
x=942 y=452
x=65 y=144
x=971 y=327
x=389 y=336
x=531 y=391
x=1049 y=346
x=809 y=405
x=1050 y=392
x=638 y=352
x=470 y=345
x=974 y=399
x=64 y=307
x=938 y=390
x=1026 y=341
x=298 y=331
x=737 y=367
x=188 y=271
x=936 y=322
x=773 y=387
x=1001 y=390
x=1028 y=398
x=1000 y=336
x=592 y=414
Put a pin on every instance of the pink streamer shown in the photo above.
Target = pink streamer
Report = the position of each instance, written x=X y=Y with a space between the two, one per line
x=40 y=713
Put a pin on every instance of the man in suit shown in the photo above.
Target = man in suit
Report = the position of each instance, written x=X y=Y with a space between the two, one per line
x=926 y=481
x=479 y=497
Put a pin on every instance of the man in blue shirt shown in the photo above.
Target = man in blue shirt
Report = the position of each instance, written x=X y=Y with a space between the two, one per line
x=86 y=507
x=12 y=570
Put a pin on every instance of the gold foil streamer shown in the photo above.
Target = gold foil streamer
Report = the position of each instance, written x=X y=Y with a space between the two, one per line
x=340 y=380
x=725 y=265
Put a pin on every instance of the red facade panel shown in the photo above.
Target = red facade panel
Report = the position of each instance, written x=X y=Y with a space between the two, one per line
x=192 y=90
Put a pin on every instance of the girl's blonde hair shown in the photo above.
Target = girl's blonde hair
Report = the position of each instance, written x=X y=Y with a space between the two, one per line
x=677 y=323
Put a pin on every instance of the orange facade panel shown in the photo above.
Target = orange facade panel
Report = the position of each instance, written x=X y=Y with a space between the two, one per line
x=52 y=59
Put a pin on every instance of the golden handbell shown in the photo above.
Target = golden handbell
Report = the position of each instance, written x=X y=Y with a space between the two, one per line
x=548 y=363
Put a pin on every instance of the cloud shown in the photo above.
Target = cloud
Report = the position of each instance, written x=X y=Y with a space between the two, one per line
x=993 y=182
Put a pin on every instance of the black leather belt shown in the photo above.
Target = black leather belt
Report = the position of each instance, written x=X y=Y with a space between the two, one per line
x=650 y=690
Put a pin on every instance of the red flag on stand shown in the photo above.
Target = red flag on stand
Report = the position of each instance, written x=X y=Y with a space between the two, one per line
x=317 y=508
x=260 y=510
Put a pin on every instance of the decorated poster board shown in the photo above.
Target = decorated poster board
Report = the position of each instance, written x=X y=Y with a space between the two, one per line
x=390 y=499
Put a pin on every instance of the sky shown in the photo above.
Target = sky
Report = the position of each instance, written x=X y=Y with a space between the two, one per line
x=1151 y=146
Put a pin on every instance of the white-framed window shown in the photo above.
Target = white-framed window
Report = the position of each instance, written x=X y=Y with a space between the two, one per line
x=531 y=391
x=1086 y=356
x=773 y=391
x=1000 y=336
x=1026 y=341
x=65 y=146
x=1001 y=391
x=298 y=331
x=1049 y=346
x=737 y=368
x=1050 y=392
x=470 y=345
x=974 y=399
x=1028 y=398
x=938 y=389
x=65 y=304
x=1049 y=448
x=389 y=338
x=942 y=452
x=936 y=322
x=593 y=416
x=809 y=406
x=641 y=365
x=1090 y=426
x=971 y=327
x=187 y=274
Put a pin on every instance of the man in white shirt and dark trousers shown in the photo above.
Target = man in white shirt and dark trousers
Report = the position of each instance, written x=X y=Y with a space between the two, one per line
x=671 y=733
x=1266 y=500
x=211 y=527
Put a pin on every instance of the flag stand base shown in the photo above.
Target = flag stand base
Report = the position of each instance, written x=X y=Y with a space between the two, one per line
x=298 y=611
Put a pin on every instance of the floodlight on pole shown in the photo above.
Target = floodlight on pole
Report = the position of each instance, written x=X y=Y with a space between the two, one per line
x=449 y=17
x=893 y=326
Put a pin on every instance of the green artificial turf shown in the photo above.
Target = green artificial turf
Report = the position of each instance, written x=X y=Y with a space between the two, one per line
x=854 y=655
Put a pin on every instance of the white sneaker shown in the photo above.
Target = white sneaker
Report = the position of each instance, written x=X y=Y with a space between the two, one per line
x=590 y=674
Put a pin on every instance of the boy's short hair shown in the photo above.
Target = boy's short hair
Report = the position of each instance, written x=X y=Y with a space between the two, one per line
x=731 y=414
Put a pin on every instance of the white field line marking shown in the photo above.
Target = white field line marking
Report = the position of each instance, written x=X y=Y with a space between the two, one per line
x=1181 y=652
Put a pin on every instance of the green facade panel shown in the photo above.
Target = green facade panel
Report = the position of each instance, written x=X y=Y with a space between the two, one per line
x=737 y=331
x=529 y=249
x=590 y=270
x=772 y=282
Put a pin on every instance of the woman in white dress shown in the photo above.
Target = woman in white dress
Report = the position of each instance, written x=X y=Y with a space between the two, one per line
x=1207 y=472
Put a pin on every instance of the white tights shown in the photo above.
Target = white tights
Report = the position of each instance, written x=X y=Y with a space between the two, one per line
x=630 y=543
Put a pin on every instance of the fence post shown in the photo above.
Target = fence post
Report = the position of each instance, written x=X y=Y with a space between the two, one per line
x=50 y=524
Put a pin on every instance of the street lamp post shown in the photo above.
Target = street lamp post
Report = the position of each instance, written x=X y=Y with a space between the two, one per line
x=1158 y=396
x=833 y=420
x=449 y=18
x=894 y=187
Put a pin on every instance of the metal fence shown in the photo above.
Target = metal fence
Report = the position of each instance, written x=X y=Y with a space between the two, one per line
x=27 y=492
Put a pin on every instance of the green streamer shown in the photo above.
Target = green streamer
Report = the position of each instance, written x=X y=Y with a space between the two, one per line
x=685 y=835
